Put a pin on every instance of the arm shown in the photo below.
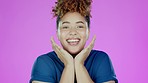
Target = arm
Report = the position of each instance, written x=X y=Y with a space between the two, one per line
x=67 y=59
x=109 y=82
x=82 y=74
x=38 y=82
x=67 y=74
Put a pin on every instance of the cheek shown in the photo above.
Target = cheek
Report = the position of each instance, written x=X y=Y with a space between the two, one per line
x=62 y=35
x=83 y=35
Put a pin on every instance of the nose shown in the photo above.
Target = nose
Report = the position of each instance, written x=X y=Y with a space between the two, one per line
x=73 y=32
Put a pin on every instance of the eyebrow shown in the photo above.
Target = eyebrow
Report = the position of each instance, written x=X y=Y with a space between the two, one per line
x=76 y=22
x=65 y=22
x=80 y=22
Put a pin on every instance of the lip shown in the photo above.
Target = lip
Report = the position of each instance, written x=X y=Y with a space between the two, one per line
x=73 y=41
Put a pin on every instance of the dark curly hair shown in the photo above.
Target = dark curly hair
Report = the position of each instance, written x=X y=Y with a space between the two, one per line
x=81 y=6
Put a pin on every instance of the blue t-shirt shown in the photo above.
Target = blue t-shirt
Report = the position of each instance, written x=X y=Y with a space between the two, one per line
x=48 y=68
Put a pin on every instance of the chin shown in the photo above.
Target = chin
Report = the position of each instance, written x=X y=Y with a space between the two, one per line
x=74 y=52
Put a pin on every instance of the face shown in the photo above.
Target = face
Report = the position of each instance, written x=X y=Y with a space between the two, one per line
x=73 y=32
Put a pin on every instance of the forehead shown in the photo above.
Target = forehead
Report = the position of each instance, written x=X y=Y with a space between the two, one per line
x=72 y=17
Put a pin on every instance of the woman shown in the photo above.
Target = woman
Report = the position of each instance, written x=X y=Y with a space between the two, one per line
x=73 y=63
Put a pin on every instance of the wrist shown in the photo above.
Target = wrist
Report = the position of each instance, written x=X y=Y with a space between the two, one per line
x=76 y=62
x=69 y=67
x=71 y=64
x=79 y=64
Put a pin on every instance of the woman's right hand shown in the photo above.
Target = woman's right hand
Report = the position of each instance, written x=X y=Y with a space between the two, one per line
x=63 y=55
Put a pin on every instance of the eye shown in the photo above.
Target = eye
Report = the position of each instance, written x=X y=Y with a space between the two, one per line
x=65 y=27
x=80 y=26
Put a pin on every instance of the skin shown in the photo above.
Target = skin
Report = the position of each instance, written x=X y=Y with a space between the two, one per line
x=73 y=25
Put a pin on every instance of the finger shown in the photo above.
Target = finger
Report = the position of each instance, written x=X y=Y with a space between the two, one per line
x=54 y=44
x=90 y=46
x=52 y=41
x=92 y=42
x=57 y=51
x=57 y=48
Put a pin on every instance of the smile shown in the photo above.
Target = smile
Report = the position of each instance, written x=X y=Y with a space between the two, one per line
x=73 y=41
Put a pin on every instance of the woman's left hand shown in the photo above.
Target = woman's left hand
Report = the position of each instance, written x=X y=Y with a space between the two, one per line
x=81 y=57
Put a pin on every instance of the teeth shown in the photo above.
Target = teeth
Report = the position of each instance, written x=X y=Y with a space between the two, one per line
x=72 y=40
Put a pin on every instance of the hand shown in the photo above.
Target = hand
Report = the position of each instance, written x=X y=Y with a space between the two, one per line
x=81 y=57
x=63 y=55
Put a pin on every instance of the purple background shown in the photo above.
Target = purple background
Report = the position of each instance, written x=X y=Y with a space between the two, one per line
x=121 y=27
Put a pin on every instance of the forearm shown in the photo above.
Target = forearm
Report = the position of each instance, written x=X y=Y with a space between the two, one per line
x=68 y=74
x=39 y=82
x=109 y=82
x=82 y=74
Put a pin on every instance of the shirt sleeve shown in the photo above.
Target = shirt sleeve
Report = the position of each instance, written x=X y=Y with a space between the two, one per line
x=43 y=70
x=105 y=71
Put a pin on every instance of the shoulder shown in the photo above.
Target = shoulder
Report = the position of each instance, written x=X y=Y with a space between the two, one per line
x=96 y=54
x=47 y=55
x=49 y=59
x=96 y=58
x=44 y=68
x=46 y=60
x=50 y=56
x=102 y=67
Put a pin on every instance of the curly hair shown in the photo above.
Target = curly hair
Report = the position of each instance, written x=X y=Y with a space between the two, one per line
x=81 y=6
x=64 y=6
